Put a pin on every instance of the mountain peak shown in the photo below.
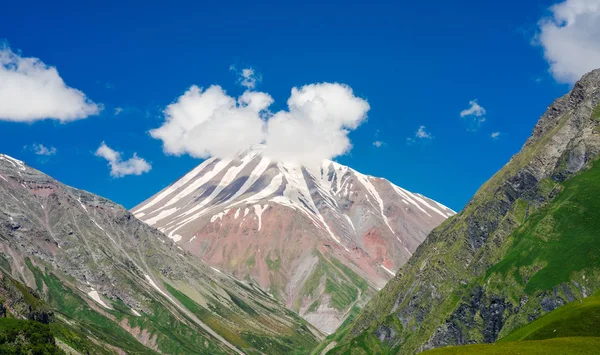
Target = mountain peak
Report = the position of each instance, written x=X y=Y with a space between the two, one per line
x=281 y=223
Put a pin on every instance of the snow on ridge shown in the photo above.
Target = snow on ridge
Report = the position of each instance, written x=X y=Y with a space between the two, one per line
x=418 y=198
x=3 y=178
x=260 y=168
x=400 y=191
x=373 y=191
x=15 y=162
x=177 y=185
x=161 y=215
x=194 y=185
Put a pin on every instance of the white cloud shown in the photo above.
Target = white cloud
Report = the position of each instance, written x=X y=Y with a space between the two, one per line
x=118 y=167
x=118 y=111
x=420 y=135
x=495 y=135
x=474 y=115
x=247 y=77
x=378 y=144
x=316 y=125
x=41 y=149
x=570 y=37
x=211 y=123
x=423 y=134
x=474 y=110
x=30 y=91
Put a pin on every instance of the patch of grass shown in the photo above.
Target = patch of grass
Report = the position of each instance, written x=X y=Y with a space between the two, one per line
x=559 y=346
x=596 y=113
x=5 y=263
x=251 y=261
x=273 y=265
x=576 y=319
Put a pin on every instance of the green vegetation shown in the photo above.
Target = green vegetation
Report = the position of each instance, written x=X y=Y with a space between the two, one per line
x=576 y=319
x=559 y=346
x=26 y=337
x=273 y=265
x=570 y=329
x=596 y=113
x=340 y=282
x=251 y=261
x=559 y=239
x=232 y=325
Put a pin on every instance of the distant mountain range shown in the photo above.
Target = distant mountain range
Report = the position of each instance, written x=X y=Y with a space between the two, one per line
x=322 y=240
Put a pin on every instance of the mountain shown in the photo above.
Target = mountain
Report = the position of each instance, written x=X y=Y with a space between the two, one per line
x=322 y=240
x=108 y=283
x=525 y=244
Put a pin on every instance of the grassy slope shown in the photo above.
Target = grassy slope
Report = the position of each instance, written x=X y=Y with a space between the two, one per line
x=562 y=237
x=576 y=319
x=555 y=244
x=571 y=329
x=558 y=346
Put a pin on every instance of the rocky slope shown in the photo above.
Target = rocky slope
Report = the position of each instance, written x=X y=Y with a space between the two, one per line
x=321 y=240
x=117 y=285
x=520 y=248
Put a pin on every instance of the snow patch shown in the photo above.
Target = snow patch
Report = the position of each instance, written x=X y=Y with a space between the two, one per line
x=136 y=312
x=96 y=297
x=259 y=211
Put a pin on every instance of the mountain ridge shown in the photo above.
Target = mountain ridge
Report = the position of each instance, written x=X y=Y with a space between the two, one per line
x=284 y=224
x=439 y=297
x=101 y=269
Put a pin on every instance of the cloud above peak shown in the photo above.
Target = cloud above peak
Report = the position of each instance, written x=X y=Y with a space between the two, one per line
x=30 y=91
x=570 y=38
x=315 y=126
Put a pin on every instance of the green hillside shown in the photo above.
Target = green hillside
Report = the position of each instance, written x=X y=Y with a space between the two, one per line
x=526 y=244
x=570 y=329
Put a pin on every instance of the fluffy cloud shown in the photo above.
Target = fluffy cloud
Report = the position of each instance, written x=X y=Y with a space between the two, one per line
x=570 y=37
x=316 y=125
x=41 y=149
x=420 y=135
x=495 y=135
x=30 y=90
x=119 y=167
x=118 y=111
x=378 y=144
x=211 y=123
x=474 y=115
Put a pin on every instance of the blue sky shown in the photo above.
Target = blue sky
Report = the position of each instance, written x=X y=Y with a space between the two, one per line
x=416 y=63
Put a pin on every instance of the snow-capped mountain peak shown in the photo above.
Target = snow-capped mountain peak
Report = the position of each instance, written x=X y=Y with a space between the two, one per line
x=237 y=213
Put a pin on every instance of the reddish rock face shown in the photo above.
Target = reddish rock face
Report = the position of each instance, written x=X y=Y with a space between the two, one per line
x=299 y=232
